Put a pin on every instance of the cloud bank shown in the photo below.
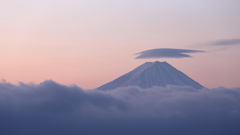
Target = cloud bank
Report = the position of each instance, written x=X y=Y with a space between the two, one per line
x=166 y=53
x=54 y=109
x=227 y=42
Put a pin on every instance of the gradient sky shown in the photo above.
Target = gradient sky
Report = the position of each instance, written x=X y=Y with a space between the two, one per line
x=91 y=42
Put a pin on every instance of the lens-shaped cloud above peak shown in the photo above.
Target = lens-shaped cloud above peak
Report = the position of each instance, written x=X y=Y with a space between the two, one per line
x=166 y=53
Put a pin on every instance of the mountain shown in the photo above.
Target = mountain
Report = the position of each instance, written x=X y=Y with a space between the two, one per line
x=152 y=74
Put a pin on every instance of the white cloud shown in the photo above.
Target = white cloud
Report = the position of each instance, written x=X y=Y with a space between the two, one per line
x=51 y=108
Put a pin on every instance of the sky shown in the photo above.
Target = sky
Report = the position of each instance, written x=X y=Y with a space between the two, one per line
x=92 y=42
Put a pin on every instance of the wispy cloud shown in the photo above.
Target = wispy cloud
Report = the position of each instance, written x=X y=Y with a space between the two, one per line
x=227 y=42
x=166 y=53
x=52 y=108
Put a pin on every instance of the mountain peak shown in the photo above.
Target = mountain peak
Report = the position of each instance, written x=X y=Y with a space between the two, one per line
x=155 y=63
x=152 y=74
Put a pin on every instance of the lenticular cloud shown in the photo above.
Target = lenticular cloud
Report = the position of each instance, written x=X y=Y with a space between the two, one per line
x=50 y=108
x=166 y=53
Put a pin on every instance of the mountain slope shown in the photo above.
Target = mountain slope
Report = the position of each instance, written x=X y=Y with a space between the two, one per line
x=152 y=74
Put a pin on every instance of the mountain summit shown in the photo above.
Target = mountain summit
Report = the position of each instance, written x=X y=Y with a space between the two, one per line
x=152 y=74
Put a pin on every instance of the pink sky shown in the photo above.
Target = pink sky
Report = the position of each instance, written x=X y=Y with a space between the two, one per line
x=91 y=42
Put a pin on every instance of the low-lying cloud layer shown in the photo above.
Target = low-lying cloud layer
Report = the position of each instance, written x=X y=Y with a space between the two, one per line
x=166 y=53
x=53 y=109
